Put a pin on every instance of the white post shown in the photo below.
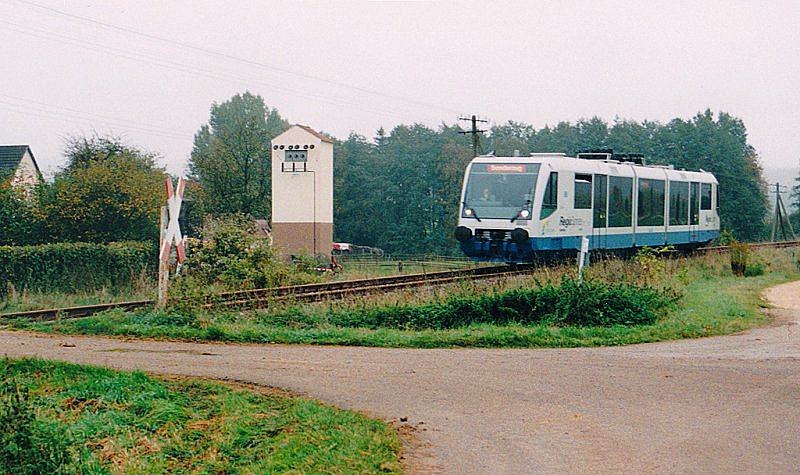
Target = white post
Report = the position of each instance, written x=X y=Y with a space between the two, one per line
x=163 y=265
x=584 y=252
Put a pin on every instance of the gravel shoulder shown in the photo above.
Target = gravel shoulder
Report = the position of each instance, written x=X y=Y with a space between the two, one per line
x=722 y=404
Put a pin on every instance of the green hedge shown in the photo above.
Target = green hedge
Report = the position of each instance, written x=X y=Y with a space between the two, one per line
x=591 y=303
x=70 y=267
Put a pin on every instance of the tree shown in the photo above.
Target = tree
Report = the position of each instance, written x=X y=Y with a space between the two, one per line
x=18 y=224
x=108 y=191
x=231 y=158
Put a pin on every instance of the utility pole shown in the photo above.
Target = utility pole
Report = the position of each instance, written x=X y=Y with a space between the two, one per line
x=781 y=218
x=476 y=138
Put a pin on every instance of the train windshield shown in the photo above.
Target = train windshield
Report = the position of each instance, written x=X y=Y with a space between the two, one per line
x=500 y=190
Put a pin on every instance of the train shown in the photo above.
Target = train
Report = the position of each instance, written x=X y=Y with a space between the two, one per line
x=522 y=209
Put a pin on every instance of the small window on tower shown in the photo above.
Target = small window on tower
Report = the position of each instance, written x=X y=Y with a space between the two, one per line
x=296 y=156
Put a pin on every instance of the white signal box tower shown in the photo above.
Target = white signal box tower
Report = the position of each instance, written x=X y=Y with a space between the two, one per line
x=302 y=192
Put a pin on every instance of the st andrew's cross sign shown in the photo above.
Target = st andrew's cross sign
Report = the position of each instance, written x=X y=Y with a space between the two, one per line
x=170 y=235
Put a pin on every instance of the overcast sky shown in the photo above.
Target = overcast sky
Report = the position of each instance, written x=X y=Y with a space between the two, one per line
x=138 y=68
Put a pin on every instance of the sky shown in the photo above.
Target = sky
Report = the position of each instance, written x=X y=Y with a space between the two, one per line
x=149 y=70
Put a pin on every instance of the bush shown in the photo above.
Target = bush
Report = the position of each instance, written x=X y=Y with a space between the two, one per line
x=70 y=267
x=754 y=270
x=591 y=303
x=233 y=258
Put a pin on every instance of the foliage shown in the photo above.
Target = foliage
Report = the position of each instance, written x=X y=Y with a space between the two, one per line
x=231 y=158
x=590 y=303
x=651 y=262
x=400 y=192
x=233 y=258
x=740 y=254
x=108 y=192
x=73 y=266
x=18 y=224
x=754 y=270
x=725 y=238
x=64 y=418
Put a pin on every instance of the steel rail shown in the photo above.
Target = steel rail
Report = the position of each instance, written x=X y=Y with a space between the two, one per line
x=322 y=291
x=303 y=292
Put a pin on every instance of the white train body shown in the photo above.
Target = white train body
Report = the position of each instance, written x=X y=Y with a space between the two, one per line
x=516 y=208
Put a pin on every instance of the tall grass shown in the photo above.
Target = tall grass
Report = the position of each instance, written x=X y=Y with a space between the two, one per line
x=714 y=302
x=63 y=418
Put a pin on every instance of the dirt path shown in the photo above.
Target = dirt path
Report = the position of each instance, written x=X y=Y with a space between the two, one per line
x=726 y=404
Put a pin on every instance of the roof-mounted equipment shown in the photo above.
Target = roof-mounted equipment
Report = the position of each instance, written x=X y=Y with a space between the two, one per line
x=607 y=154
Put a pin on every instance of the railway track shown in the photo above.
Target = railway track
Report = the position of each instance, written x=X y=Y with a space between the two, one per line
x=259 y=298
x=300 y=293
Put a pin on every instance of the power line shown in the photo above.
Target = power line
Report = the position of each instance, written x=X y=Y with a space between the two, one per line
x=168 y=64
x=124 y=122
x=229 y=56
x=35 y=111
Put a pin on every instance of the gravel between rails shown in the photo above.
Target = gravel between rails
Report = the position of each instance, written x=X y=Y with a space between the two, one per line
x=724 y=404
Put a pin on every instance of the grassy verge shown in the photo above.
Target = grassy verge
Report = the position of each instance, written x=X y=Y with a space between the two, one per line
x=713 y=303
x=65 y=418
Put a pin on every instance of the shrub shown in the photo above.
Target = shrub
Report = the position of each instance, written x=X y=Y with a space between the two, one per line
x=70 y=267
x=591 y=303
x=754 y=270
x=234 y=259
x=740 y=253
x=725 y=238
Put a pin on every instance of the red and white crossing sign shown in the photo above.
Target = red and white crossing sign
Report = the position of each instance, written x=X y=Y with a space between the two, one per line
x=172 y=234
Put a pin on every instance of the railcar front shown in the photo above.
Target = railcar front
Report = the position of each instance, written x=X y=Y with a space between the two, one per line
x=499 y=202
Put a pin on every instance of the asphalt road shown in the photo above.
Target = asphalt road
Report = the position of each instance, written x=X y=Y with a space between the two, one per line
x=726 y=405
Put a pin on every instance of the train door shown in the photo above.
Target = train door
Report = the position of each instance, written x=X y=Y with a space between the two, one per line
x=600 y=212
x=694 y=212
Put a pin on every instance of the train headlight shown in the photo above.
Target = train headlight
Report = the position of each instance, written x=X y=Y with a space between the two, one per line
x=469 y=212
x=524 y=214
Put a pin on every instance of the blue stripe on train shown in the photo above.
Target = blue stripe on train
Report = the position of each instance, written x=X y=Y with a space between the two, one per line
x=511 y=251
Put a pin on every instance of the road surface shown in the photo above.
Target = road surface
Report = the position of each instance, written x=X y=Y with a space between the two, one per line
x=725 y=404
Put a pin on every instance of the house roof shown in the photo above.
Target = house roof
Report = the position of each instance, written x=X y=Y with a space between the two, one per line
x=314 y=133
x=10 y=156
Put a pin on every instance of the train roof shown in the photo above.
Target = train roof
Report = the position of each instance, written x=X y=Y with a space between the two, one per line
x=559 y=161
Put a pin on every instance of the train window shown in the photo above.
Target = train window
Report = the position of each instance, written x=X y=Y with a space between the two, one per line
x=678 y=203
x=694 y=200
x=651 y=203
x=620 y=202
x=705 y=196
x=500 y=190
x=600 y=191
x=583 y=191
x=550 y=199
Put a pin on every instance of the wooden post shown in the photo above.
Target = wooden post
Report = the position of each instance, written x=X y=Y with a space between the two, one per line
x=163 y=264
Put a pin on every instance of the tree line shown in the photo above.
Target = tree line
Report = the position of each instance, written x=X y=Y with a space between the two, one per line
x=398 y=190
